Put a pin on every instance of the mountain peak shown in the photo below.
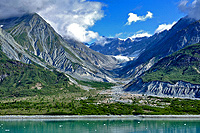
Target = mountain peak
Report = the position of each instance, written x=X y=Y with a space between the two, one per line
x=40 y=40
x=26 y=19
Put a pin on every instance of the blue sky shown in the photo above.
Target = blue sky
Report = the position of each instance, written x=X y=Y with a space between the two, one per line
x=116 y=15
x=88 y=20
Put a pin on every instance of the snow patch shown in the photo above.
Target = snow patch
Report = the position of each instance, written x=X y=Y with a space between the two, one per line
x=141 y=35
x=122 y=39
x=123 y=58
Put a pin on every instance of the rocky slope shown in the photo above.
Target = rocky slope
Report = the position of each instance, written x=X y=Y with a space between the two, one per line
x=175 y=75
x=37 y=39
x=14 y=51
x=180 y=89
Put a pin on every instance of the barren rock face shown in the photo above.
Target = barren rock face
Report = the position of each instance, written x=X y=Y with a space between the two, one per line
x=180 y=89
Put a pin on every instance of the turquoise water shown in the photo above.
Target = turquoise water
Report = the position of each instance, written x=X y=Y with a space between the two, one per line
x=100 y=126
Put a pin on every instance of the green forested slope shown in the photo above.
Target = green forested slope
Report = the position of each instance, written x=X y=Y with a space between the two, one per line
x=183 y=65
x=19 y=79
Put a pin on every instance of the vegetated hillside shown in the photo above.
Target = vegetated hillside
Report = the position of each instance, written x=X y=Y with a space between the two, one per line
x=175 y=75
x=19 y=80
x=185 y=32
x=183 y=65
x=39 y=39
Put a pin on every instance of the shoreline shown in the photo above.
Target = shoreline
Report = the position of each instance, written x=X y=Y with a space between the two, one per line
x=99 y=117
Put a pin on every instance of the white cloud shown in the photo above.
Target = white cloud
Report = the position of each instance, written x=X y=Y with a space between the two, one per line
x=141 y=34
x=76 y=30
x=102 y=41
x=70 y=18
x=12 y=8
x=192 y=9
x=134 y=17
x=163 y=27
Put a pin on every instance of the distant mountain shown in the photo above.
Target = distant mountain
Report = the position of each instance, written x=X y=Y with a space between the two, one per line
x=32 y=39
x=185 y=32
x=175 y=75
x=116 y=46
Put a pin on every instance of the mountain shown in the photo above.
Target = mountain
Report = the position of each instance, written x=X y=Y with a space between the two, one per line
x=116 y=46
x=175 y=75
x=185 y=32
x=32 y=39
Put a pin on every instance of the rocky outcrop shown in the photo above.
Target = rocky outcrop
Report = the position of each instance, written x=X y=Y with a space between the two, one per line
x=180 y=89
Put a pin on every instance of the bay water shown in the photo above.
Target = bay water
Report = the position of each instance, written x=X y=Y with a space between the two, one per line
x=100 y=126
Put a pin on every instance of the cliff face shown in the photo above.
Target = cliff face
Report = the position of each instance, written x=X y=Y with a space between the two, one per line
x=34 y=38
x=179 y=89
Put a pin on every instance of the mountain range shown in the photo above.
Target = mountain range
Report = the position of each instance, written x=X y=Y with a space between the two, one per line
x=147 y=51
x=153 y=51
x=116 y=46
x=29 y=41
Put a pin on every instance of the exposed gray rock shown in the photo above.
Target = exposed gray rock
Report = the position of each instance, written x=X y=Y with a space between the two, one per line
x=12 y=49
x=180 y=89
x=144 y=67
